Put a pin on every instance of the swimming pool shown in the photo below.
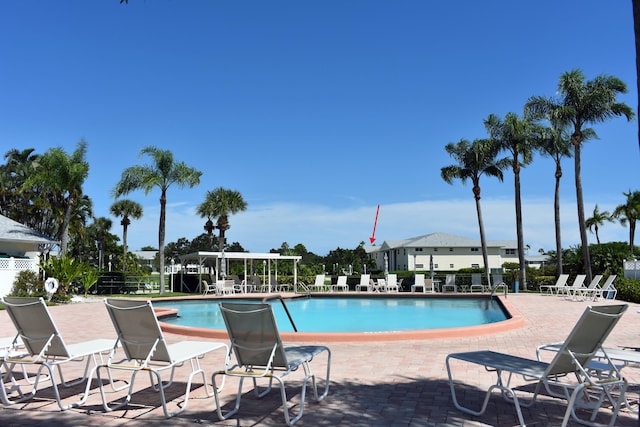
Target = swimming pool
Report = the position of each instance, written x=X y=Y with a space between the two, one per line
x=353 y=315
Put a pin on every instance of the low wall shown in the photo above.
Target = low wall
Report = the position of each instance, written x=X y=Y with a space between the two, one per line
x=9 y=268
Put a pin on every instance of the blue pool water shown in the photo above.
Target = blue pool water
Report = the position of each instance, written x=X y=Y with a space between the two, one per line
x=319 y=314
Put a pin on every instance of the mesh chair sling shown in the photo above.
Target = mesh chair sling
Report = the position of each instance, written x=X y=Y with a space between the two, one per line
x=260 y=353
x=146 y=350
x=43 y=347
x=567 y=372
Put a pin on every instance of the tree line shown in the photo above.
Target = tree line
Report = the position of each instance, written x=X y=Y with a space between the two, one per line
x=555 y=127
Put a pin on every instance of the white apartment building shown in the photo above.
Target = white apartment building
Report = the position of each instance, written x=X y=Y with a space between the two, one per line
x=447 y=252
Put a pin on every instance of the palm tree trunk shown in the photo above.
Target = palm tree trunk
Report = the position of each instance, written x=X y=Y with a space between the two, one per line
x=124 y=245
x=632 y=233
x=581 y=224
x=161 y=229
x=520 y=237
x=483 y=240
x=556 y=213
x=64 y=235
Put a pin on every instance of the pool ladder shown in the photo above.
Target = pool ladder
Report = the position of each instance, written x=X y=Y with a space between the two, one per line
x=494 y=288
x=286 y=309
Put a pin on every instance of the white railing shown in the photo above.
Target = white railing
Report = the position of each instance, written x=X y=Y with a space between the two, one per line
x=18 y=264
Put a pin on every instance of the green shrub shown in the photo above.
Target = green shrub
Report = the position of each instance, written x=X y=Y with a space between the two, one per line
x=628 y=289
x=28 y=284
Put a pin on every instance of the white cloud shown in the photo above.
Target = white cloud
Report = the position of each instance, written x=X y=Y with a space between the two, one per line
x=322 y=228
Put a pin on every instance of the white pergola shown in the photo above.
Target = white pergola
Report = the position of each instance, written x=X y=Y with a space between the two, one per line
x=222 y=259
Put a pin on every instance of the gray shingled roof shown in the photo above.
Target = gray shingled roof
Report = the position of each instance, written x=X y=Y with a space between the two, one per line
x=12 y=231
x=439 y=240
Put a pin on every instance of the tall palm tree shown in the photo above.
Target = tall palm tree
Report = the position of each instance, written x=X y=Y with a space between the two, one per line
x=126 y=209
x=555 y=143
x=597 y=220
x=629 y=212
x=517 y=136
x=581 y=103
x=162 y=173
x=474 y=160
x=220 y=203
x=102 y=226
x=64 y=174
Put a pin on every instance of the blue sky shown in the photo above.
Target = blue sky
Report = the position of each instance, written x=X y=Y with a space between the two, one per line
x=316 y=111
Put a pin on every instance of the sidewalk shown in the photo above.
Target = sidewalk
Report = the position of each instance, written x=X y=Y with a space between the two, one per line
x=399 y=383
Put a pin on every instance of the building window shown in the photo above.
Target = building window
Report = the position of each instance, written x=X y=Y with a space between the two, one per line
x=475 y=265
x=474 y=249
x=450 y=249
x=435 y=249
x=451 y=266
x=435 y=266
x=510 y=251
x=418 y=249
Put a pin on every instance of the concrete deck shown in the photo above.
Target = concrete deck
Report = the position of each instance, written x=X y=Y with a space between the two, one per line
x=385 y=383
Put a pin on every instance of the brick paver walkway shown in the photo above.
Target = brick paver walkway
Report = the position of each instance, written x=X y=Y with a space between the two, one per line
x=395 y=383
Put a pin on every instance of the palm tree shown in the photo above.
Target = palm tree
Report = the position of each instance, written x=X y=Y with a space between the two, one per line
x=126 y=209
x=64 y=174
x=581 y=103
x=220 y=203
x=162 y=174
x=629 y=213
x=474 y=160
x=102 y=226
x=518 y=137
x=555 y=143
x=598 y=219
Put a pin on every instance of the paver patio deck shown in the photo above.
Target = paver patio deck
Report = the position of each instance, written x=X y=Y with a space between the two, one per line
x=386 y=383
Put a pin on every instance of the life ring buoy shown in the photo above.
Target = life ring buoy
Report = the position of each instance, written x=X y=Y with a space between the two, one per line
x=51 y=285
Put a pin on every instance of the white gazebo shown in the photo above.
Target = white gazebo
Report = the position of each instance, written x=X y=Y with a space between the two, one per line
x=221 y=261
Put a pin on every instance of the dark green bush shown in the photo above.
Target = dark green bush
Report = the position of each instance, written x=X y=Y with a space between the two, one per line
x=628 y=289
x=28 y=284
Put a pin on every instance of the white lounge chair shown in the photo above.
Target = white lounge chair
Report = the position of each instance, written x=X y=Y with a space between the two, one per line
x=261 y=355
x=607 y=291
x=557 y=288
x=392 y=283
x=341 y=284
x=578 y=281
x=476 y=283
x=419 y=283
x=45 y=349
x=582 y=292
x=146 y=350
x=450 y=283
x=568 y=371
x=318 y=284
x=364 y=283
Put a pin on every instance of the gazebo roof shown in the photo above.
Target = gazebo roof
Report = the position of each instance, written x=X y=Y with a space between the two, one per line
x=239 y=256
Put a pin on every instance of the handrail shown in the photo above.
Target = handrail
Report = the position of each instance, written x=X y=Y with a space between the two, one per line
x=504 y=285
x=305 y=287
x=270 y=297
